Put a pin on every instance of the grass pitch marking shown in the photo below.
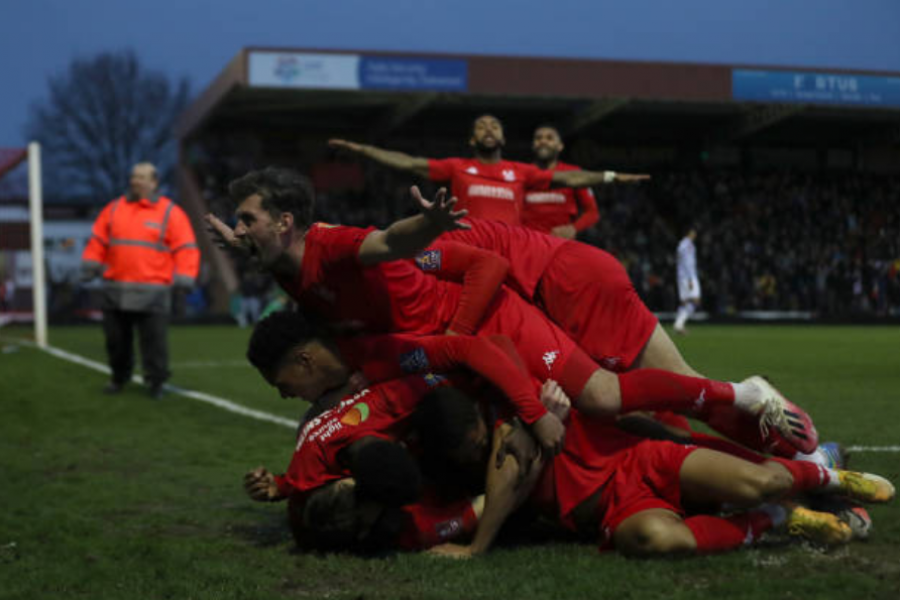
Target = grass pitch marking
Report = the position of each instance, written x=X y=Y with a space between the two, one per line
x=222 y=403
x=259 y=415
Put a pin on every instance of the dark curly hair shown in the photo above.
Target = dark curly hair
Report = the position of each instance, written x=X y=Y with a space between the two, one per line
x=275 y=335
x=282 y=190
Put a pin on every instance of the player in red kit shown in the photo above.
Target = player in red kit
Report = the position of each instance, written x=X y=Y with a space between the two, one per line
x=335 y=272
x=588 y=294
x=633 y=492
x=486 y=185
x=556 y=211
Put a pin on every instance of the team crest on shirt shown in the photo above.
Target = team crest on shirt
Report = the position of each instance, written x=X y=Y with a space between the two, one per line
x=472 y=171
x=509 y=175
x=414 y=361
x=434 y=380
x=356 y=415
x=429 y=260
x=550 y=358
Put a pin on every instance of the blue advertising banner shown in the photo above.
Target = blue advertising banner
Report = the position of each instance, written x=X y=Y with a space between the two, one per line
x=815 y=88
x=393 y=73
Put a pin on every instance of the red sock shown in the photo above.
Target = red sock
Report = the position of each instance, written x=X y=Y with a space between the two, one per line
x=655 y=389
x=716 y=534
x=807 y=476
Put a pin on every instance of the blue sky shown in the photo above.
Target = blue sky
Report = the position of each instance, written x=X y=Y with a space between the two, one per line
x=196 y=38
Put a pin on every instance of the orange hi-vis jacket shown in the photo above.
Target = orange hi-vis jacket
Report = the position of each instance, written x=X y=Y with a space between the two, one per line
x=141 y=246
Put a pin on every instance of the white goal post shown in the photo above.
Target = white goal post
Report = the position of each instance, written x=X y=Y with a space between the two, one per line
x=36 y=218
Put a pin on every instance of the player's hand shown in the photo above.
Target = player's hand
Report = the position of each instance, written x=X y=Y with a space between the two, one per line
x=555 y=399
x=550 y=432
x=630 y=177
x=260 y=485
x=223 y=235
x=345 y=145
x=452 y=551
x=564 y=231
x=440 y=213
x=522 y=447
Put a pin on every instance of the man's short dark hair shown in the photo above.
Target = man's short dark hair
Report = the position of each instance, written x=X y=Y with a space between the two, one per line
x=443 y=419
x=478 y=118
x=281 y=189
x=385 y=473
x=275 y=335
x=549 y=126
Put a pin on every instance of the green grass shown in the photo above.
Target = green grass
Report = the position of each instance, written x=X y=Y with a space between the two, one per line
x=123 y=497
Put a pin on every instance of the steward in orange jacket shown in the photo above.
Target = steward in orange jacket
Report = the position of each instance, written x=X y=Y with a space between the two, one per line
x=140 y=244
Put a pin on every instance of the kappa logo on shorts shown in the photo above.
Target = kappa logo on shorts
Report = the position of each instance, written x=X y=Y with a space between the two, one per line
x=429 y=260
x=550 y=358
x=414 y=361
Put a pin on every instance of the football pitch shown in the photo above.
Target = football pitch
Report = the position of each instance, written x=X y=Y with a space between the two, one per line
x=124 y=497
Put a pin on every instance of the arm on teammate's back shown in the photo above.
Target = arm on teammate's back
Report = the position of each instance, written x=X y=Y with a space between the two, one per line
x=580 y=179
x=481 y=272
x=388 y=158
x=407 y=237
x=504 y=492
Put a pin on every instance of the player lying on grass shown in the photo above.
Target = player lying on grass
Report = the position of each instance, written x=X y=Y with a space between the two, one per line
x=384 y=505
x=589 y=295
x=643 y=497
x=346 y=277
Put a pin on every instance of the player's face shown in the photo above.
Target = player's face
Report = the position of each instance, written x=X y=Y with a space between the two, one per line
x=475 y=446
x=546 y=144
x=487 y=134
x=143 y=181
x=259 y=231
x=299 y=375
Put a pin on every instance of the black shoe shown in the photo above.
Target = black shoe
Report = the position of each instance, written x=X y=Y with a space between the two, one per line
x=113 y=387
x=157 y=391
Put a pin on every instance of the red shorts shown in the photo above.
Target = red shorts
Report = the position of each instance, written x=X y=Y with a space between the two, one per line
x=647 y=476
x=587 y=292
x=546 y=351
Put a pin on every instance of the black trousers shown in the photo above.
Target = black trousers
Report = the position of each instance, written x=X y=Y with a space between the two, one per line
x=119 y=326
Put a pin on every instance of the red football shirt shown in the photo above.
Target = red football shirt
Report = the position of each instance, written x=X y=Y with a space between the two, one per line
x=544 y=210
x=382 y=410
x=490 y=191
x=528 y=251
x=390 y=296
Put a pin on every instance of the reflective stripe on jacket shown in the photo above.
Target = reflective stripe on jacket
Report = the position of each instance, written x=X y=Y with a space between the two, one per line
x=141 y=246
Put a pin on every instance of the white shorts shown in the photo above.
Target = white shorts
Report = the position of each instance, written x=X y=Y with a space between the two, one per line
x=688 y=289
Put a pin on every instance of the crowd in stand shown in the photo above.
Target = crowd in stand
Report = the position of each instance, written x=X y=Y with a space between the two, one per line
x=826 y=243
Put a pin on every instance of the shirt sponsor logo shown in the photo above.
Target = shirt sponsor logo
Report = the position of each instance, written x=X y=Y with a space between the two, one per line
x=356 y=415
x=492 y=191
x=326 y=424
x=429 y=260
x=415 y=361
x=545 y=198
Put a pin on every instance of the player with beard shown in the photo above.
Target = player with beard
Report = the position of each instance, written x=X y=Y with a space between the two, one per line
x=556 y=211
x=338 y=274
x=486 y=185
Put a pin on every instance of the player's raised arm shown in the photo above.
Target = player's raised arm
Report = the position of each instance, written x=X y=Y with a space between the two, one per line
x=389 y=158
x=580 y=179
x=407 y=237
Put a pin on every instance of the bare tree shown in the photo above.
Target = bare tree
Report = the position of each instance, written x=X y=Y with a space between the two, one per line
x=103 y=115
